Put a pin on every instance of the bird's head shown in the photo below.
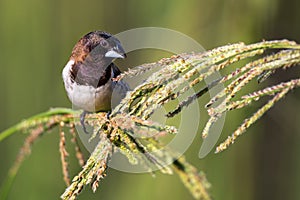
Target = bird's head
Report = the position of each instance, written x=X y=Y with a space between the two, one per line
x=98 y=46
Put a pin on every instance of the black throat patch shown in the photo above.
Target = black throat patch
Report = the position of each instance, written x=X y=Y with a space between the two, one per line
x=94 y=76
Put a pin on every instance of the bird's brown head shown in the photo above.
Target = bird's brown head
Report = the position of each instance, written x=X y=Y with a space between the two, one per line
x=97 y=45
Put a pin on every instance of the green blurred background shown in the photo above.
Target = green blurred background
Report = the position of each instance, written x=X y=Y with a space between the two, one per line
x=36 y=39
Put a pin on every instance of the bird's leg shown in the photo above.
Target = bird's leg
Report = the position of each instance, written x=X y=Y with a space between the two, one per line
x=108 y=114
x=82 y=118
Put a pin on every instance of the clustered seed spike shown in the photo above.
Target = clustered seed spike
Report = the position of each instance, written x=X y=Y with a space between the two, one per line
x=129 y=130
x=64 y=154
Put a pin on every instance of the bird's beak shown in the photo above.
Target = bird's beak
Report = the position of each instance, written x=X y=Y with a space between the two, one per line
x=116 y=52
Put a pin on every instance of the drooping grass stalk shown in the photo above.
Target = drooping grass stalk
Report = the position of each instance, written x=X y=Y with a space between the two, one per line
x=174 y=78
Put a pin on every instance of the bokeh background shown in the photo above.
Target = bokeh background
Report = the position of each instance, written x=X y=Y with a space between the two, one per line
x=36 y=38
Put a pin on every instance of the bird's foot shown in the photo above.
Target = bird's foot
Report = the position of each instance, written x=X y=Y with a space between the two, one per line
x=108 y=114
x=82 y=118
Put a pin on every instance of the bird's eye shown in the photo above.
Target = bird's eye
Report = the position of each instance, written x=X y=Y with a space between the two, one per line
x=104 y=43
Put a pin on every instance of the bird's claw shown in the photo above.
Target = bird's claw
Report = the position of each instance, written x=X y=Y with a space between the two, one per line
x=108 y=114
x=82 y=118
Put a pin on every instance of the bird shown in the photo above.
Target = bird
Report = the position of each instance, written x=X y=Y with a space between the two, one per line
x=89 y=74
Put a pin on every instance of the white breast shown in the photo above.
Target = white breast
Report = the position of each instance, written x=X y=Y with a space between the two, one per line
x=87 y=97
